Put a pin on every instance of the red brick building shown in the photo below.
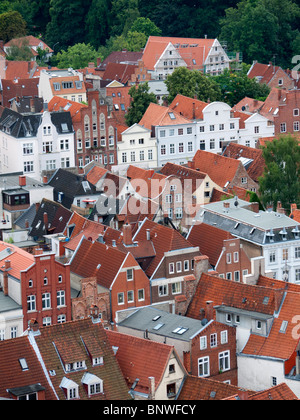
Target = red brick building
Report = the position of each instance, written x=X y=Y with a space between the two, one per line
x=117 y=273
x=46 y=291
x=95 y=133
x=287 y=119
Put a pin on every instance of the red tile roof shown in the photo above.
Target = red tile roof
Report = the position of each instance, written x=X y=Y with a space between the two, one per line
x=220 y=169
x=95 y=174
x=20 y=87
x=95 y=259
x=190 y=108
x=133 y=363
x=11 y=374
x=119 y=72
x=32 y=42
x=256 y=168
x=156 y=45
x=230 y=293
x=163 y=238
x=57 y=103
x=157 y=115
x=79 y=337
x=209 y=239
x=248 y=105
x=271 y=104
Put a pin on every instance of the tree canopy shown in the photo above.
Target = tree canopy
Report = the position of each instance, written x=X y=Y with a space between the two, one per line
x=12 y=25
x=192 y=83
x=141 y=99
x=78 y=56
x=280 y=180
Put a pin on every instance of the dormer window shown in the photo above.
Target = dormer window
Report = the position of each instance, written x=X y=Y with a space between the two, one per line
x=71 y=367
x=70 y=389
x=92 y=384
x=97 y=361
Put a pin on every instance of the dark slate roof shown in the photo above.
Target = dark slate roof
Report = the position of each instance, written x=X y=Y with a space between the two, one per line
x=18 y=125
x=28 y=215
x=71 y=185
x=62 y=121
x=58 y=217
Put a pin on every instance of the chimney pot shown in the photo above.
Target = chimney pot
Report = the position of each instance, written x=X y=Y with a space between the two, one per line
x=22 y=180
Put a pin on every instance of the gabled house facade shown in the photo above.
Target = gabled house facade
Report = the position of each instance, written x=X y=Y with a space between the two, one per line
x=162 y=55
x=117 y=273
x=43 y=141
x=158 y=376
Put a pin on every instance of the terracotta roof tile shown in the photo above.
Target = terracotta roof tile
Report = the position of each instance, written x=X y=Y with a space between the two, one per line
x=11 y=374
x=57 y=103
x=133 y=363
x=120 y=72
x=210 y=240
x=256 y=168
x=190 y=108
x=79 y=334
x=220 y=169
x=156 y=45
x=157 y=115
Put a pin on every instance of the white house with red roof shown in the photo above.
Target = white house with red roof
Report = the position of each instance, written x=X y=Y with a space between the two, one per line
x=162 y=55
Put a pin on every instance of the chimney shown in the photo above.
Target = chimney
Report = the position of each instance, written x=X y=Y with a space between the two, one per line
x=255 y=207
x=226 y=206
x=127 y=234
x=280 y=209
x=243 y=394
x=22 y=180
x=45 y=217
x=33 y=325
x=209 y=310
x=45 y=179
x=279 y=94
x=26 y=224
x=293 y=207
x=151 y=388
x=98 y=61
x=7 y=267
x=201 y=265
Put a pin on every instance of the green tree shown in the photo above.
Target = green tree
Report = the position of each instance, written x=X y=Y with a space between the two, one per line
x=192 y=83
x=145 y=26
x=12 y=25
x=34 y=12
x=67 y=22
x=77 y=56
x=235 y=86
x=262 y=29
x=141 y=99
x=98 y=22
x=280 y=180
x=20 y=52
x=123 y=13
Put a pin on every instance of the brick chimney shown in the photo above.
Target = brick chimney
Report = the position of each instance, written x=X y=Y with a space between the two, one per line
x=209 y=310
x=22 y=180
x=255 y=207
x=243 y=394
x=151 y=388
x=187 y=361
x=7 y=267
x=127 y=234
x=280 y=209
x=201 y=265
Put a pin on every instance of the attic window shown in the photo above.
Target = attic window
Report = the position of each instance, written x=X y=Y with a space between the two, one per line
x=64 y=127
x=266 y=300
x=23 y=364
x=93 y=384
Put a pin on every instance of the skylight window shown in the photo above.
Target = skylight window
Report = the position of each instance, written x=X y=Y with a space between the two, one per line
x=172 y=116
x=156 y=318
x=158 y=326
x=180 y=330
x=283 y=326
x=23 y=364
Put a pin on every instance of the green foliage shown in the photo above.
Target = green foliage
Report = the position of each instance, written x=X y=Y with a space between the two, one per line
x=123 y=13
x=190 y=83
x=20 y=52
x=78 y=56
x=12 y=25
x=145 y=26
x=141 y=99
x=236 y=86
x=244 y=28
x=97 y=25
x=280 y=181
